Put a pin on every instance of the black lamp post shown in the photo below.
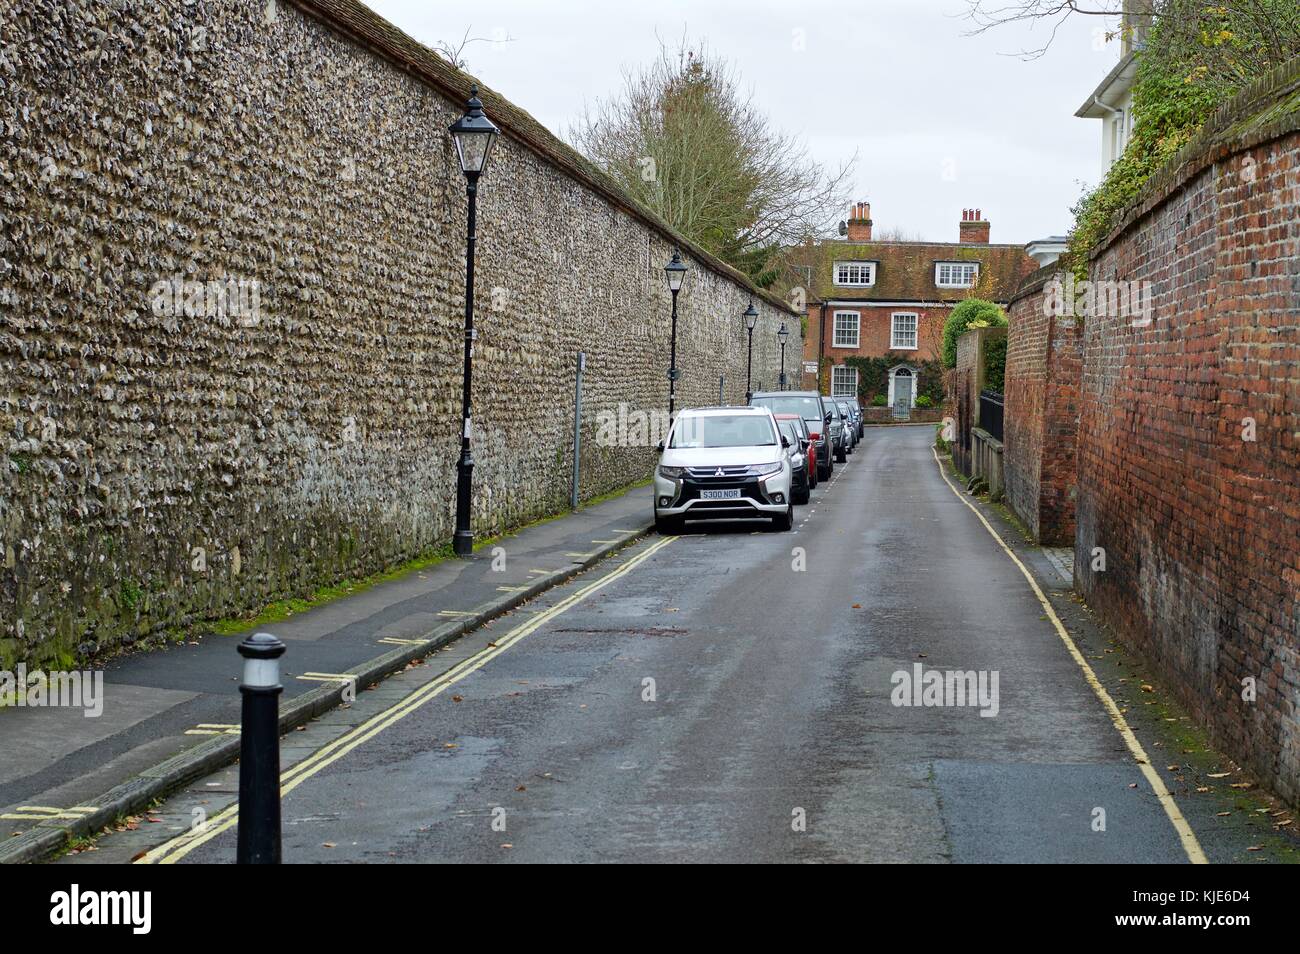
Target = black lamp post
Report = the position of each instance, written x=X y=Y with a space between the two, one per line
x=676 y=272
x=781 y=336
x=474 y=135
x=751 y=319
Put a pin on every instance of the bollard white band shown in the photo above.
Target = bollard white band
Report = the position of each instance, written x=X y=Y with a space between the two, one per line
x=261 y=673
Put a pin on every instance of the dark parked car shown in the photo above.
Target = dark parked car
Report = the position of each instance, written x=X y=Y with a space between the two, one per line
x=792 y=428
x=839 y=429
x=855 y=411
x=809 y=406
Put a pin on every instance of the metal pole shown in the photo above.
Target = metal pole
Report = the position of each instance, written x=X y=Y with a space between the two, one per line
x=722 y=383
x=463 y=542
x=259 y=752
x=577 y=424
x=749 y=367
x=672 y=365
x=782 y=365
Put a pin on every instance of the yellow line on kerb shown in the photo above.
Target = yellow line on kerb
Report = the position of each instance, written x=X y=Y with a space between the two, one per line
x=1185 y=834
x=175 y=849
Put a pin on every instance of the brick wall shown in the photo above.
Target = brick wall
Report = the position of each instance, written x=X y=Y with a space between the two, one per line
x=1189 y=433
x=165 y=467
x=1044 y=364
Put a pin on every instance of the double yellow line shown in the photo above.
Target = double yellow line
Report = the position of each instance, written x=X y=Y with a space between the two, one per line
x=1191 y=846
x=172 y=851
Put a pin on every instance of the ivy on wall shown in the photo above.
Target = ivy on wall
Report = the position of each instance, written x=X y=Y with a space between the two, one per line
x=873 y=375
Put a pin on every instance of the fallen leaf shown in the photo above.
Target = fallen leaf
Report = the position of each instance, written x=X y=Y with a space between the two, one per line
x=1222 y=814
x=457 y=698
x=1240 y=785
x=857 y=606
x=1218 y=775
x=1147 y=687
x=507 y=845
x=1255 y=848
x=328 y=844
x=521 y=788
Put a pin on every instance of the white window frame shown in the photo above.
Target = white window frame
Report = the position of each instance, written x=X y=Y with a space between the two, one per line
x=893 y=331
x=857 y=329
x=939 y=268
x=837 y=373
x=870 y=278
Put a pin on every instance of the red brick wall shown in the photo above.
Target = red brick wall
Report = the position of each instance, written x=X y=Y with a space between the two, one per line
x=1042 y=413
x=875 y=326
x=1200 y=528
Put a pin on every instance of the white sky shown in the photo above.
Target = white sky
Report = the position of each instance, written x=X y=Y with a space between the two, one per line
x=940 y=120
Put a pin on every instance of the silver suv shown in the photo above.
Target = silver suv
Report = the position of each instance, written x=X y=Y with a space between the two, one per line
x=723 y=463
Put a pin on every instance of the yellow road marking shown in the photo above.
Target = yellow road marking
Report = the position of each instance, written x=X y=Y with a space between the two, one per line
x=48 y=812
x=511 y=589
x=171 y=851
x=457 y=613
x=397 y=641
x=1185 y=834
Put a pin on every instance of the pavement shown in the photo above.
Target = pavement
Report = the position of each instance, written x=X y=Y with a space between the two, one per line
x=729 y=695
x=172 y=715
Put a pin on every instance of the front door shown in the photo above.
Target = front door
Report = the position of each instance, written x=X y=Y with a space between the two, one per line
x=902 y=394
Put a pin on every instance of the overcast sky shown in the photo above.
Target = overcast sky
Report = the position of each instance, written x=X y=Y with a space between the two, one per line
x=940 y=120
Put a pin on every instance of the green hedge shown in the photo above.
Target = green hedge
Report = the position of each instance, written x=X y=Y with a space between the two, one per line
x=995 y=363
x=971 y=313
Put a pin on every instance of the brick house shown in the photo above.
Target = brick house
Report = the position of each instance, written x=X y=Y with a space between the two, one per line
x=889 y=300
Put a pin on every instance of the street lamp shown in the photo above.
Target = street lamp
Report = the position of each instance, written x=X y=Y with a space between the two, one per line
x=675 y=270
x=781 y=336
x=751 y=319
x=474 y=135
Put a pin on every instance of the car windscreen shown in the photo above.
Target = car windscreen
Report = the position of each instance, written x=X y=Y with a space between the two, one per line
x=809 y=408
x=790 y=431
x=723 y=430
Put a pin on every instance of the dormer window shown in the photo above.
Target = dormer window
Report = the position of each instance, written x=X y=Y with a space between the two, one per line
x=855 y=274
x=956 y=274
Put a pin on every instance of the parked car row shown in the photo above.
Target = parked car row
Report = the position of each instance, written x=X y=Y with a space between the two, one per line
x=760 y=460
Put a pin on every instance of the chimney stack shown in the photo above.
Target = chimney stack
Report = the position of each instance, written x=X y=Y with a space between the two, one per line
x=860 y=222
x=974 y=230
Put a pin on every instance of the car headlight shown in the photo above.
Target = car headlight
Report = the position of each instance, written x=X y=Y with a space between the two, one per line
x=759 y=470
x=673 y=472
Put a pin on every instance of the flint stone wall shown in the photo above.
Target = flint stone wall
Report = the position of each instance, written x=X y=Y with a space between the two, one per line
x=168 y=465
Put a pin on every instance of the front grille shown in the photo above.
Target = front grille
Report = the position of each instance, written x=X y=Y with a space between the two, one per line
x=748 y=487
x=717 y=473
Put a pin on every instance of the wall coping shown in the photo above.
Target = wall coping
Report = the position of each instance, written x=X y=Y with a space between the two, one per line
x=363 y=26
x=1035 y=281
x=1267 y=109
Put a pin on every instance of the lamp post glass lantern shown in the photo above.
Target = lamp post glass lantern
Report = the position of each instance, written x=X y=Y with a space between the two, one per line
x=751 y=319
x=675 y=272
x=473 y=135
x=782 y=336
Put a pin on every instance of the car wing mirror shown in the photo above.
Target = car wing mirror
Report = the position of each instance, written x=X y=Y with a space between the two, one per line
x=661 y=447
x=785 y=441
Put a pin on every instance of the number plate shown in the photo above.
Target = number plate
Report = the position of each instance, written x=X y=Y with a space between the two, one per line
x=732 y=494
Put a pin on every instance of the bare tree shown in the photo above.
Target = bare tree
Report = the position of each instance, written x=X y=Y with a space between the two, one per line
x=683 y=138
x=987 y=14
x=455 y=55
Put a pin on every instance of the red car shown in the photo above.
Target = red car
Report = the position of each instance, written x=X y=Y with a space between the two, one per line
x=809 y=446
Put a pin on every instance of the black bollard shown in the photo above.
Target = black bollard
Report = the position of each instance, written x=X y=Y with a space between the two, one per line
x=259 y=752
